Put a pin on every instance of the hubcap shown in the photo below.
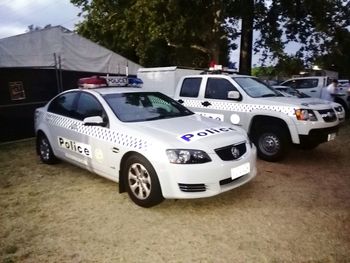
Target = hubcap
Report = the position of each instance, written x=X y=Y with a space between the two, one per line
x=269 y=144
x=44 y=149
x=139 y=181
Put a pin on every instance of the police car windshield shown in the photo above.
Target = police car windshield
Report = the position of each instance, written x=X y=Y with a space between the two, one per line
x=256 y=88
x=144 y=106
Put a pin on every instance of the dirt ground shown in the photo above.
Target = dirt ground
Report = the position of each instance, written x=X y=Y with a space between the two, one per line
x=297 y=210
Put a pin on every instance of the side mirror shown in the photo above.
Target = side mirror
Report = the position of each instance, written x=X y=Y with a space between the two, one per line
x=94 y=121
x=233 y=95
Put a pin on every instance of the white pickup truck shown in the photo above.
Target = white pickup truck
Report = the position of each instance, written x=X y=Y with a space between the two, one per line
x=272 y=121
x=314 y=87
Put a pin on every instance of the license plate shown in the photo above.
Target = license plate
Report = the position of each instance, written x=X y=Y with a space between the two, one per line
x=331 y=136
x=240 y=170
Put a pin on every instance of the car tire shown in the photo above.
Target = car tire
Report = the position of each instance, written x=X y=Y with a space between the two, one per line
x=142 y=182
x=272 y=143
x=45 y=150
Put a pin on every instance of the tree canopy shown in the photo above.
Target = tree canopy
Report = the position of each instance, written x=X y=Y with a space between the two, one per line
x=194 y=33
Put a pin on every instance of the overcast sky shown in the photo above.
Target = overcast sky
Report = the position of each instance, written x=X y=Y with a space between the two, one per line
x=17 y=15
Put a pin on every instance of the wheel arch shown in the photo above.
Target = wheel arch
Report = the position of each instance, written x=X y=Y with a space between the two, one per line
x=262 y=120
x=344 y=104
x=122 y=188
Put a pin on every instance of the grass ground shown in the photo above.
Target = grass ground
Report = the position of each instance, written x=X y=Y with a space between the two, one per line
x=297 y=210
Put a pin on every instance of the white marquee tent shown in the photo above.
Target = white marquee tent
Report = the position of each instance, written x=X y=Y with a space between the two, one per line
x=61 y=48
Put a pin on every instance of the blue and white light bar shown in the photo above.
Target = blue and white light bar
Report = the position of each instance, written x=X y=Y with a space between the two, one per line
x=118 y=81
x=109 y=81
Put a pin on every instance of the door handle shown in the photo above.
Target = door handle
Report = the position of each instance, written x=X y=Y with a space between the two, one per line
x=312 y=90
x=180 y=101
x=206 y=103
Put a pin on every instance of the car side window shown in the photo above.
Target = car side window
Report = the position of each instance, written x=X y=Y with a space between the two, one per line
x=64 y=105
x=306 y=83
x=218 y=88
x=291 y=83
x=88 y=106
x=190 y=87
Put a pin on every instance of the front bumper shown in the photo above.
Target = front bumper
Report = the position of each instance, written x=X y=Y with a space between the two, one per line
x=317 y=136
x=204 y=180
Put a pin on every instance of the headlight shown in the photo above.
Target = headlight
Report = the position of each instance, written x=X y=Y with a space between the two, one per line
x=304 y=115
x=338 y=109
x=183 y=156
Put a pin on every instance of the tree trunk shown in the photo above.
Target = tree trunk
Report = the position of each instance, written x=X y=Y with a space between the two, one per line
x=245 y=57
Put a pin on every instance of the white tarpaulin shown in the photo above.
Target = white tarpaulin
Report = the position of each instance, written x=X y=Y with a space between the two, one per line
x=63 y=48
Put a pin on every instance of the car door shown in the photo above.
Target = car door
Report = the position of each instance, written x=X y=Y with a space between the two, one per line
x=218 y=105
x=62 y=121
x=96 y=137
x=309 y=86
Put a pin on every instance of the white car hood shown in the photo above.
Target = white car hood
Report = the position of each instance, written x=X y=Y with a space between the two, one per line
x=192 y=132
x=308 y=103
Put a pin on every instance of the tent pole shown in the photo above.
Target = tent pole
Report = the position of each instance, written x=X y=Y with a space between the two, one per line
x=56 y=72
x=60 y=71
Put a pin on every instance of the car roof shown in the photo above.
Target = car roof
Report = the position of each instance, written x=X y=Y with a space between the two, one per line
x=220 y=75
x=113 y=90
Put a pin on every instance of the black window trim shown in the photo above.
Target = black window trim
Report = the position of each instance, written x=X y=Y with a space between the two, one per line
x=104 y=113
x=75 y=105
x=234 y=89
x=199 y=87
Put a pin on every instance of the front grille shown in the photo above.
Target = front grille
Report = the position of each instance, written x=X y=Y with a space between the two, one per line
x=328 y=115
x=192 y=187
x=232 y=152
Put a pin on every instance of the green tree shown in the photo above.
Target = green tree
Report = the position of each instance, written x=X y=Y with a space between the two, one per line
x=264 y=72
x=192 y=33
x=313 y=24
x=159 y=32
x=288 y=66
x=338 y=57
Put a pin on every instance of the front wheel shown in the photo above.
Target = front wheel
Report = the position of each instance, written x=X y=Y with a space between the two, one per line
x=272 y=143
x=142 y=182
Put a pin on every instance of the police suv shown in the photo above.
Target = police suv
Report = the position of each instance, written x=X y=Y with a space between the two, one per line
x=153 y=146
x=273 y=121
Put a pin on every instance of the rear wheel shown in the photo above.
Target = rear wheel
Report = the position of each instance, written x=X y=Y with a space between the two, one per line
x=45 y=151
x=272 y=143
x=142 y=182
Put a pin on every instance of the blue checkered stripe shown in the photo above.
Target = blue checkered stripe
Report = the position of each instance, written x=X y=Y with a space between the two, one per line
x=101 y=133
x=239 y=107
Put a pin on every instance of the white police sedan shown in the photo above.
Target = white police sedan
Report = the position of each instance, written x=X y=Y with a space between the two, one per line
x=154 y=147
